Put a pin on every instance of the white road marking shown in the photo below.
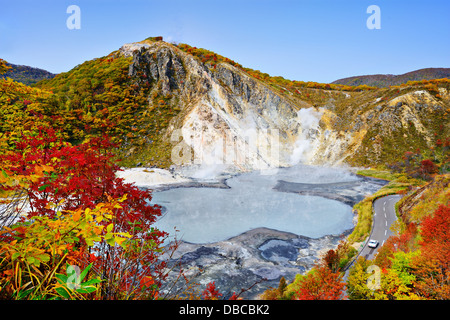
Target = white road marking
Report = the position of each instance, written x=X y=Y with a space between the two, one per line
x=385 y=232
x=386 y=223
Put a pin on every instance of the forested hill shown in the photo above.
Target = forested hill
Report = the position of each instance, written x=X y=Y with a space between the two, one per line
x=27 y=75
x=386 y=80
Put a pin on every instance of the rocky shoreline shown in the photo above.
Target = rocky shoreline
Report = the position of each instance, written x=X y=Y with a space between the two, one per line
x=346 y=192
x=220 y=183
x=255 y=259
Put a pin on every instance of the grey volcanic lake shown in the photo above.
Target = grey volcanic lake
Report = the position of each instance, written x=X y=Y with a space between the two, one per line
x=306 y=207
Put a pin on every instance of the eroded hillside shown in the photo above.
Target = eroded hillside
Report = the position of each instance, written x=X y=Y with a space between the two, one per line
x=187 y=105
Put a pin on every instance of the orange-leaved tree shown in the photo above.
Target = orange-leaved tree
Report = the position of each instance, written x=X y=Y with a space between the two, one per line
x=319 y=284
x=432 y=267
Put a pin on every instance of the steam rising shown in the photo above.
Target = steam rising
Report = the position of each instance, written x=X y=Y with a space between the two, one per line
x=211 y=214
x=308 y=119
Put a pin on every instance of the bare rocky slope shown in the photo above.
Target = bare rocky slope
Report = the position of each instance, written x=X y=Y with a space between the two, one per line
x=229 y=117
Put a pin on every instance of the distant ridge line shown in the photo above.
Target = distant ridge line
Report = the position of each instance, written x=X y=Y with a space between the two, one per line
x=385 y=80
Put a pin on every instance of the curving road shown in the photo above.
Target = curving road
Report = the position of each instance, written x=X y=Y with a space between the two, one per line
x=383 y=217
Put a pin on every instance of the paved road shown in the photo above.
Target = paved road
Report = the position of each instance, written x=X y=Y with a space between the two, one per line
x=383 y=217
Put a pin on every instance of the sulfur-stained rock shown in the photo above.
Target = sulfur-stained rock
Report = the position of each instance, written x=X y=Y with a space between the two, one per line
x=226 y=116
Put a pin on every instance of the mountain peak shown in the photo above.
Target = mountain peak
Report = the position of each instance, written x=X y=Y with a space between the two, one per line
x=128 y=48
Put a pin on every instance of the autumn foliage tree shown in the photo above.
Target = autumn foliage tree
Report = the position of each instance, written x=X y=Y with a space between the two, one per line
x=319 y=284
x=432 y=267
x=211 y=293
x=3 y=66
x=36 y=254
x=409 y=268
x=80 y=178
x=427 y=167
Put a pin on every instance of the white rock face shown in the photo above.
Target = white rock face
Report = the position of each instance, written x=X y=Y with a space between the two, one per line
x=128 y=48
x=229 y=118
x=149 y=177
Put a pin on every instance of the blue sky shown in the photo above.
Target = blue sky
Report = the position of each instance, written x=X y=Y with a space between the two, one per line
x=309 y=40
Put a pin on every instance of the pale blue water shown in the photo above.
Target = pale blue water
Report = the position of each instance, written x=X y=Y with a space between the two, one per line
x=204 y=215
